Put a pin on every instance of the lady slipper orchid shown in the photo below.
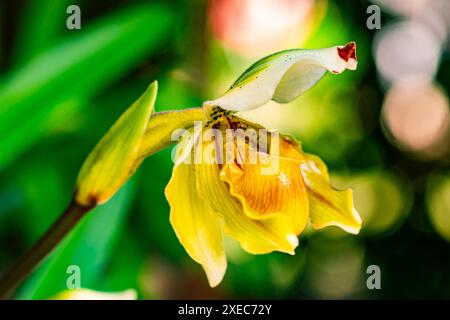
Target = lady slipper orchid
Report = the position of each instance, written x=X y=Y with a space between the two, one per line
x=231 y=177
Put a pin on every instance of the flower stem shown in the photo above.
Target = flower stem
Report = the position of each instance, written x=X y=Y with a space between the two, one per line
x=12 y=278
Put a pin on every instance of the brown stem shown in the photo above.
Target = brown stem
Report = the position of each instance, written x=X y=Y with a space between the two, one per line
x=12 y=278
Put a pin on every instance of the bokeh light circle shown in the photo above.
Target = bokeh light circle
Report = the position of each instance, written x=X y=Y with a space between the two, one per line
x=416 y=115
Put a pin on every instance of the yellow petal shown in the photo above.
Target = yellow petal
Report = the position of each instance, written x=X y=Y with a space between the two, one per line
x=195 y=224
x=255 y=236
x=265 y=194
x=115 y=158
x=328 y=206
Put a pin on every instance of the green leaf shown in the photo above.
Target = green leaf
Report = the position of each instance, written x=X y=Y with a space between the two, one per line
x=89 y=246
x=125 y=266
x=74 y=71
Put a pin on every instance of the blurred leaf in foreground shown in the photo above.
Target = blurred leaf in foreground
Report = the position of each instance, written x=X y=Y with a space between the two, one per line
x=74 y=71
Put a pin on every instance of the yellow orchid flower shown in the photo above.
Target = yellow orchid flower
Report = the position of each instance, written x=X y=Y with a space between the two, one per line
x=261 y=195
x=242 y=197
